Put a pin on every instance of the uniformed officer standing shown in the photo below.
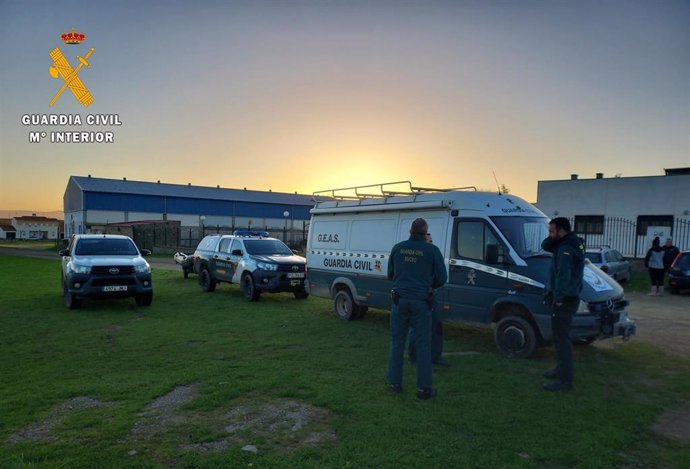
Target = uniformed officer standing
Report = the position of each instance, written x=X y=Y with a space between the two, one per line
x=416 y=268
x=562 y=294
x=437 y=357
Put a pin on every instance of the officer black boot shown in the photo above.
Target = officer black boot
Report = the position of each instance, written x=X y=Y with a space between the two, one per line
x=557 y=386
x=551 y=374
x=426 y=393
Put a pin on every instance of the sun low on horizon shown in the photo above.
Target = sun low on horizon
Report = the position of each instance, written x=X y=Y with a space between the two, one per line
x=311 y=96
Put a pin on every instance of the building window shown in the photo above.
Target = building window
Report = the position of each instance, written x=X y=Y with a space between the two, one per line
x=645 y=221
x=589 y=224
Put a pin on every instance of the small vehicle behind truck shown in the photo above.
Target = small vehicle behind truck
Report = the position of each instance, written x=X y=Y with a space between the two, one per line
x=491 y=244
x=104 y=266
x=252 y=260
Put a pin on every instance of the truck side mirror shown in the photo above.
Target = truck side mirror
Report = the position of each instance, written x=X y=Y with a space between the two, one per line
x=64 y=252
x=145 y=252
x=236 y=252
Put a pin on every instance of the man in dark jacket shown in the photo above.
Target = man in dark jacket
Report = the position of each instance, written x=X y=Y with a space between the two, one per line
x=562 y=294
x=416 y=269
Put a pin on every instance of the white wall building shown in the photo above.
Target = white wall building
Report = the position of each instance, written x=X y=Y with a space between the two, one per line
x=7 y=232
x=33 y=227
x=622 y=212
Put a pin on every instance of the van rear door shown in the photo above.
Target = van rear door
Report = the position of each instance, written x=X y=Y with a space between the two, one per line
x=475 y=277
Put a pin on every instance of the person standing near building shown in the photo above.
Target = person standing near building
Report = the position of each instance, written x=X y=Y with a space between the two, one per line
x=670 y=254
x=654 y=261
x=436 y=332
x=416 y=268
x=562 y=295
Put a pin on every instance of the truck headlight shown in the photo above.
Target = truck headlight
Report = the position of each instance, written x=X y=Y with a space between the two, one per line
x=142 y=268
x=79 y=269
x=267 y=266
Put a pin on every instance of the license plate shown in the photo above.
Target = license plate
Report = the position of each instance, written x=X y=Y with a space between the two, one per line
x=295 y=275
x=294 y=283
x=115 y=288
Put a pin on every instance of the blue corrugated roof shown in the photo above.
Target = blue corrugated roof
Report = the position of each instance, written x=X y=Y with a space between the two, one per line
x=91 y=184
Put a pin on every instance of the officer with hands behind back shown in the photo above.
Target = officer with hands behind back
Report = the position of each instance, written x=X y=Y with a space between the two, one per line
x=416 y=268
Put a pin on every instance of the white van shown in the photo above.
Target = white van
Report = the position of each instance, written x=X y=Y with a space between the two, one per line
x=491 y=244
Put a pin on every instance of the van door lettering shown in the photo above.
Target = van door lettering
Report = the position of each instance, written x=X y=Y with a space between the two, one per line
x=328 y=238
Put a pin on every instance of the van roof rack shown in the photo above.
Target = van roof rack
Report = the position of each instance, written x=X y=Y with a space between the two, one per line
x=383 y=190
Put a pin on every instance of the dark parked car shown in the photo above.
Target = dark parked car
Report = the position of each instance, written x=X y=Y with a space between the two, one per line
x=610 y=261
x=679 y=275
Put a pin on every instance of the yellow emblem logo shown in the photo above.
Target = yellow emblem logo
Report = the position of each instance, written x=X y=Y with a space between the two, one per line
x=62 y=68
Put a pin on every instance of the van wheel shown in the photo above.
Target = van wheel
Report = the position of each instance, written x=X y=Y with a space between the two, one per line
x=344 y=306
x=207 y=283
x=515 y=337
x=249 y=288
x=71 y=300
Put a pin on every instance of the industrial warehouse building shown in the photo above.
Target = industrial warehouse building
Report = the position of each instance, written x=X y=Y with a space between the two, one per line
x=92 y=204
x=622 y=212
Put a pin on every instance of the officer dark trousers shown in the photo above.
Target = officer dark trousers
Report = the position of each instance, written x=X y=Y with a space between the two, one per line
x=436 y=337
x=410 y=313
x=561 y=320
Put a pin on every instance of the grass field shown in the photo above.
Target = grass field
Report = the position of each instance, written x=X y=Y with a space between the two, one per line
x=190 y=380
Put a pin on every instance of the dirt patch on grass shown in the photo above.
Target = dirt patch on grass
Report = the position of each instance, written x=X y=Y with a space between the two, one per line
x=674 y=424
x=282 y=425
x=161 y=414
x=43 y=430
x=263 y=425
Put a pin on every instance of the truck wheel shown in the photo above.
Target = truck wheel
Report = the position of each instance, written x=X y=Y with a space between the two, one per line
x=344 y=306
x=144 y=299
x=300 y=294
x=249 y=288
x=71 y=300
x=207 y=283
x=515 y=337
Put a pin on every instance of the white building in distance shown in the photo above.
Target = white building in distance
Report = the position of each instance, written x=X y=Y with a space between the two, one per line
x=622 y=212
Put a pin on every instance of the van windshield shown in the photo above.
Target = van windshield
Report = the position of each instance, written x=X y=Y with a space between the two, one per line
x=524 y=234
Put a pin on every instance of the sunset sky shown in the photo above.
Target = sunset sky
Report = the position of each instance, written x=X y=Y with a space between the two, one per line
x=308 y=95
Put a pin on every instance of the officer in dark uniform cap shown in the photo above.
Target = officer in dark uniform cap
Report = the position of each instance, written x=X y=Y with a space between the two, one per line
x=416 y=268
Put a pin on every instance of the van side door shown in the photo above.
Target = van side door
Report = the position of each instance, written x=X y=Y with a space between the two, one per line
x=475 y=277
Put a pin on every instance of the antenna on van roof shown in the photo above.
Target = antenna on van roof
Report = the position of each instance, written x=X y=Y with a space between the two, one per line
x=497 y=184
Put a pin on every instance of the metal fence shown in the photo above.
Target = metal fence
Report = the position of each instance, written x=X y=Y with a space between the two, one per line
x=622 y=234
x=186 y=239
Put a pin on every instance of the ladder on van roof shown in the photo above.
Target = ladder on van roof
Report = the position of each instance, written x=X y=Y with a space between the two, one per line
x=384 y=190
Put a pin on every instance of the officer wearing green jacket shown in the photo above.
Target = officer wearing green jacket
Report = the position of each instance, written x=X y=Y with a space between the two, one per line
x=562 y=295
x=416 y=269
